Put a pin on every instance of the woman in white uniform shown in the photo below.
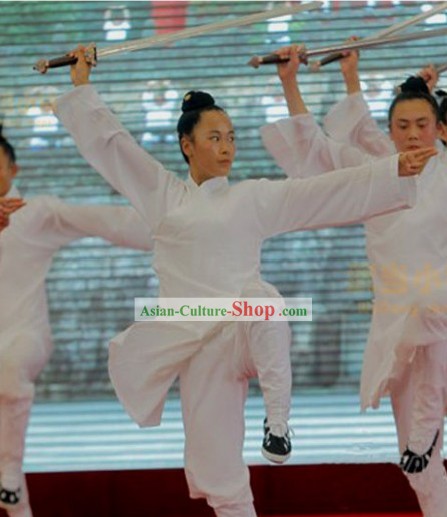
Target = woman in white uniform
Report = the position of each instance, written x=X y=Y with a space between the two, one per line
x=208 y=237
x=406 y=354
x=27 y=245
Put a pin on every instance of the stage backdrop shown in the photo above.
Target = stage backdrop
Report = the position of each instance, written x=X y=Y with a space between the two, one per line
x=92 y=285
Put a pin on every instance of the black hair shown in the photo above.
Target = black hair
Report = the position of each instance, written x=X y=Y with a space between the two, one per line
x=414 y=88
x=193 y=105
x=442 y=105
x=7 y=147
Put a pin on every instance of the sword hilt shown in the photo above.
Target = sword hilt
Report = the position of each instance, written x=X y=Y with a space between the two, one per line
x=44 y=64
x=335 y=56
x=271 y=59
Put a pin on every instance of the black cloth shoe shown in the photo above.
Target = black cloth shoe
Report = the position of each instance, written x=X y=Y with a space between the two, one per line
x=413 y=463
x=276 y=446
x=9 y=497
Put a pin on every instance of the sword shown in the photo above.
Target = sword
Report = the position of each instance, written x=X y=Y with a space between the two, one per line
x=400 y=26
x=304 y=54
x=93 y=54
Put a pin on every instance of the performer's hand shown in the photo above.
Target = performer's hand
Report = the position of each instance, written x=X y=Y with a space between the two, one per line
x=10 y=204
x=289 y=69
x=413 y=162
x=7 y=207
x=349 y=64
x=430 y=76
x=80 y=71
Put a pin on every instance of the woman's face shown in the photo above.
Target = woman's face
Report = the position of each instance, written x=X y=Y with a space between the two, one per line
x=7 y=172
x=413 y=125
x=211 y=147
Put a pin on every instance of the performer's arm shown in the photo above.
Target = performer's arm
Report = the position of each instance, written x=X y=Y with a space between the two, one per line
x=297 y=144
x=302 y=150
x=430 y=76
x=349 y=66
x=120 y=225
x=288 y=73
x=344 y=197
x=112 y=151
x=350 y=120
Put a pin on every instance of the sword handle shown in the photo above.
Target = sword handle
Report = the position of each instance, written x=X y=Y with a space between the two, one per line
x=336 y=56
x=44 y=64
x=330 y=58
x=271 y=59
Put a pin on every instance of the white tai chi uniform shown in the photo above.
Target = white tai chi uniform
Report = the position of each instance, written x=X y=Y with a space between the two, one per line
x=407 y=253
x=27 y=247
x=207 y=244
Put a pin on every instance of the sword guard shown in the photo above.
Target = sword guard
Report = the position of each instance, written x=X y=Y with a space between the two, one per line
x=44 y=64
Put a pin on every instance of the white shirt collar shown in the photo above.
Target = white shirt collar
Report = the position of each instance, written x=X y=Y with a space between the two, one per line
x=209 y=186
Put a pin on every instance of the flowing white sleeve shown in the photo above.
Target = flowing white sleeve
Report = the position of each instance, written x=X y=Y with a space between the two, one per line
x=344 y=197
x=350 y=121
x=302 y=149
x=120 y=225
x=112 y=151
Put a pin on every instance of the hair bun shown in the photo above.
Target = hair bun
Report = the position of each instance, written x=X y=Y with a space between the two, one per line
x=415 y=84
x=195 y=100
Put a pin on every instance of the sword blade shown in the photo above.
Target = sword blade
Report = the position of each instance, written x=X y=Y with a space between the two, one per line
x=410 y=22
x=397 y=27
x=162 y=39
x=370 y=43
x=200 y=30
x=354 y=45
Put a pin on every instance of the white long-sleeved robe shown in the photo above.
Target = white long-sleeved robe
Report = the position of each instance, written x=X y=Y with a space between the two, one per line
x=406 y=249
x=396 y=360
x=358 y=127
x=27 y=246
x=207 y=243
x=419 y=393
x=208 y=237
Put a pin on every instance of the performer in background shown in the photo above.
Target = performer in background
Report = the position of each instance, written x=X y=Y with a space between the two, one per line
x=406 y=354
x=208 y=237
x=27 y=245
x=159 y=101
